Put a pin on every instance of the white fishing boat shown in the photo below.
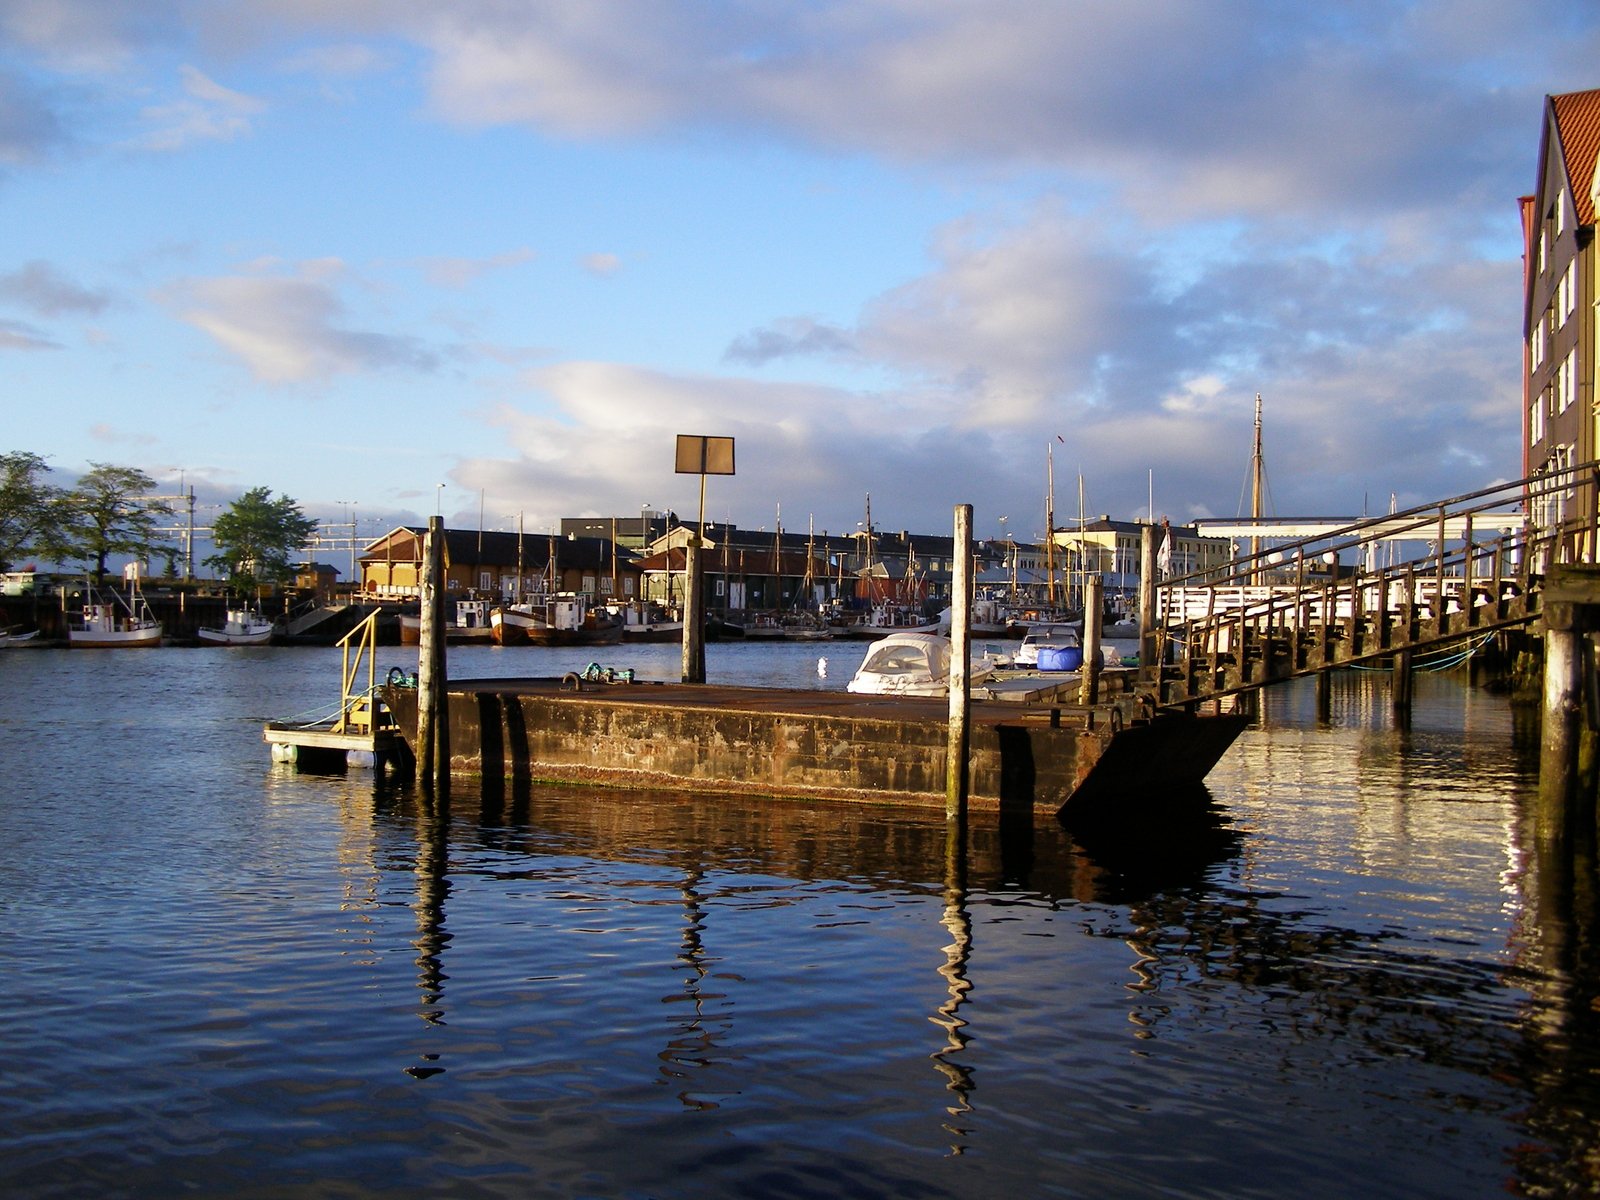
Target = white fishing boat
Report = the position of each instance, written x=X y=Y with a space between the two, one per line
x=242 y=627
x=911 y=664
x=111 y=620
x=474 y=622
x=16 y=637
x=644 y=621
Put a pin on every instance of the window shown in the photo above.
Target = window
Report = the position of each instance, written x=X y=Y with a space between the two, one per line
x=1566 y=382
x=1566 y=294
x=1536 y=342
x=1536 y=420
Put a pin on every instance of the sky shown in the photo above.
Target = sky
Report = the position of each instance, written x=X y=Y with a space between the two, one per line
x=488 y=259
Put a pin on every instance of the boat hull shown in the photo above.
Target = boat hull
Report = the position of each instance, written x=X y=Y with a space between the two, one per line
x=114 y=639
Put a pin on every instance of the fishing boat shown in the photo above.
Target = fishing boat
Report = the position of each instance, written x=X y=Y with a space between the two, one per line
x=888 y=618
x=554 y=620
x=644 y=621
x=111 y=620
x=473 y=623
x=16 y=637
x=243 y=627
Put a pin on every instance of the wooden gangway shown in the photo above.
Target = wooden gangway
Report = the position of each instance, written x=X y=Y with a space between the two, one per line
x=1434 y=576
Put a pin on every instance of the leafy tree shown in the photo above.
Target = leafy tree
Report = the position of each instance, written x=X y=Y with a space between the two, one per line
x=256 y=537
x=33 y=516
x=111 y=514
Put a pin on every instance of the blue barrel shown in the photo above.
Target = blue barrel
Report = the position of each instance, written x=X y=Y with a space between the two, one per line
x=1060 y=658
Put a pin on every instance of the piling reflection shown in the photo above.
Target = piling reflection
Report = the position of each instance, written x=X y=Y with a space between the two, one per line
x=957 y=921
x=1559 y=963
x=1170 y=876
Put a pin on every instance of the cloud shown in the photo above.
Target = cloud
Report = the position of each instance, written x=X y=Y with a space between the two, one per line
x=30 y=126
x=17 y=335
x=1186 y=108
x=211 y=113
x=290 y=330
x=41 y=289
x=792 y=337
x=602 y=264
x=459 y=272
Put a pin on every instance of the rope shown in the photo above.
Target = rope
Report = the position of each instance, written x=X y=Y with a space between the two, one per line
x=1440 y=664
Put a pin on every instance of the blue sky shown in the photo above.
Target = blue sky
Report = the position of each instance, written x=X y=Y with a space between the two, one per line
x=353 y=251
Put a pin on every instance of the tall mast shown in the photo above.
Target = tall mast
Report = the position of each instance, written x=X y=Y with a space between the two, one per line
x=1050 y=522
x=1256 y=472
x=517 y=591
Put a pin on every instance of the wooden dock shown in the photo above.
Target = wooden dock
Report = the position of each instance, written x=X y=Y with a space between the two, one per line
x=324 y=745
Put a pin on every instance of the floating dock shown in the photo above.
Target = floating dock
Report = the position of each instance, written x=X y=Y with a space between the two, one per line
x=835 y=746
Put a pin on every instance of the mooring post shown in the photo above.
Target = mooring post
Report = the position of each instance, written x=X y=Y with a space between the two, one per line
x=1093 y=618
x=1324 y=695
x=694 y=614
x=1402 y=683
x=955 y=794
x=433 y=715
x=1148 y=645
x=1563 y=703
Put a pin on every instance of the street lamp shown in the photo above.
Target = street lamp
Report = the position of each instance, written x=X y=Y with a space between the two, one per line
x=438 y=499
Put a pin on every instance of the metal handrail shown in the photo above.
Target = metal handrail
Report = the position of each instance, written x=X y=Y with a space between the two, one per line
x=355 y=709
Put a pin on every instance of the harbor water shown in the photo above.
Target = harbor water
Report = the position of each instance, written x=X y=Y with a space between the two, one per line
x=1350 y=976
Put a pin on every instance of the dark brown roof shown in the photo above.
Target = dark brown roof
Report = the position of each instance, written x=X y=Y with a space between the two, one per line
x=1578 y=125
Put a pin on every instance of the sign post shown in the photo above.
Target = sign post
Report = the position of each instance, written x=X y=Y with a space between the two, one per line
x=702 y=456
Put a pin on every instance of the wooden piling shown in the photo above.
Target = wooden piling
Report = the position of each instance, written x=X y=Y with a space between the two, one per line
x=1093 y=618
x=433 y=725
x=1149 y=648
x=1563 y=703
x=957 y=744
x=694 y=614
x=1402 y=683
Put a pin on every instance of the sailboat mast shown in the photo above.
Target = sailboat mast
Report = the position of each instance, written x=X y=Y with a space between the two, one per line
x=1256 y=472
x=1050 y=522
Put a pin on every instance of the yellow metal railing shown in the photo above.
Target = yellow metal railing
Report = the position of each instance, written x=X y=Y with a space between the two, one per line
x=357 y=707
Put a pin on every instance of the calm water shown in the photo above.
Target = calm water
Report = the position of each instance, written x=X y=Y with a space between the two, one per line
x=227 y=978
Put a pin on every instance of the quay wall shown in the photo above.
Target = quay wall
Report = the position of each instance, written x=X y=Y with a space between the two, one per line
x=750 y=742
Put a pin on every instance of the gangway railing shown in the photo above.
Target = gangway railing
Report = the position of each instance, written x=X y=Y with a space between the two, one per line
x=358 y=710
x=1299 y=608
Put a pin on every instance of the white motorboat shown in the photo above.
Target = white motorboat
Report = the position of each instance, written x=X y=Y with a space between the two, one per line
x=242 y=627
x=910 y=664
x=16 y=637
x=1053 y=641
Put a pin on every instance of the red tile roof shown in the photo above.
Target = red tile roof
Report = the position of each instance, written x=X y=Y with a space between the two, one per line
x=1578 y=123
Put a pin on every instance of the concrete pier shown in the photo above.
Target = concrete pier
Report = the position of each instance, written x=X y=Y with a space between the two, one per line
x=834 y=746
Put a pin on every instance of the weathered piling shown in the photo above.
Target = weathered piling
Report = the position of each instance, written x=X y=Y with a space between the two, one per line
x=1149 y=649
x=694 y=614
x=1563 y=692
x=433 y=727
x=960 y=664
x=1093 y=617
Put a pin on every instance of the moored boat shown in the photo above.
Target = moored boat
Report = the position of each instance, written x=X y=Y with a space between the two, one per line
x=243 y=627
x=114 y=621
x=910 y=664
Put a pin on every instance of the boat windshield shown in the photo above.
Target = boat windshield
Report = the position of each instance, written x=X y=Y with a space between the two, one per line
x=895 y=658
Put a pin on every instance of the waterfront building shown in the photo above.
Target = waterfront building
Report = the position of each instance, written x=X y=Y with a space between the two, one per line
x=1559 y=294
x=1110 y=549
x=500 y=565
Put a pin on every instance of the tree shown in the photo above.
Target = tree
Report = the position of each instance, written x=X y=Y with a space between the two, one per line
x=256 y=537
x=33 y=514
x=112 y=514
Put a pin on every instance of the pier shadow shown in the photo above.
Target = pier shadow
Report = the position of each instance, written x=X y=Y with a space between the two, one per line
x=1140 y=843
